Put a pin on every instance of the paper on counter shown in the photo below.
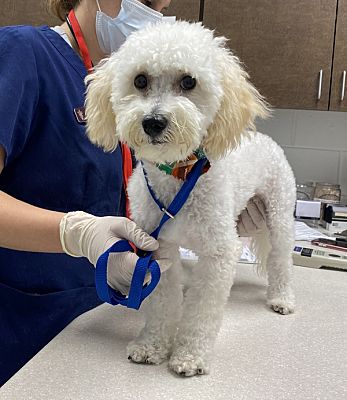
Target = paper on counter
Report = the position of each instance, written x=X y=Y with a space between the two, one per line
x=247 y=255
x=188 y=255
x=304 y=232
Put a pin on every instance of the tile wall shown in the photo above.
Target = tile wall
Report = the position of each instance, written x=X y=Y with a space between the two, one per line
x=315 y=143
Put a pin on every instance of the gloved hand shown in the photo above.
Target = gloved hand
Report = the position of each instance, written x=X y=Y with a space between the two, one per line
x=84 y=235
x=252 y=219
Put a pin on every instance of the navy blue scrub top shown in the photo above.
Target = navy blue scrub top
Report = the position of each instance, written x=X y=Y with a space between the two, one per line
x=51 y=164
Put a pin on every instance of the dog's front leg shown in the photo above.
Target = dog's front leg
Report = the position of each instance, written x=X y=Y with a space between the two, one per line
x=162 y=312
x=202 y=313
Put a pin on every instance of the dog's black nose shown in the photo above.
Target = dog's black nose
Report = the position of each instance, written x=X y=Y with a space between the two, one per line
x=154 y=125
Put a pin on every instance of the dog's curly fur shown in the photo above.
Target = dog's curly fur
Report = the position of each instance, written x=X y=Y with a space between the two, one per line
x=215 y=115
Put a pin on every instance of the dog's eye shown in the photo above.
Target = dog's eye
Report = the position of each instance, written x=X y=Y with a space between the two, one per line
x=188 y=83
x=140 y=82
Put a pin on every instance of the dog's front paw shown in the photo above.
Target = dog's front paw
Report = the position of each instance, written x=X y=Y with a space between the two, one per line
x=186 y=364
x=281 y=299
x=281 y=305
x=148 y=352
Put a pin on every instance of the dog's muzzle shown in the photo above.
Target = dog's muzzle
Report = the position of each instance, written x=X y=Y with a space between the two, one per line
x=154 y=125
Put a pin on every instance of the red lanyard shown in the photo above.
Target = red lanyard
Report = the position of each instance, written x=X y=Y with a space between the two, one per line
x=78 y=35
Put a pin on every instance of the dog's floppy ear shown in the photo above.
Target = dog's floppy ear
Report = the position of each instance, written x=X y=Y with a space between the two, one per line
x=240 y=105
x=101 y=120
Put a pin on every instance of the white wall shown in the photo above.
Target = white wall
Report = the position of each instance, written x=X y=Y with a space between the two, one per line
x=315 y=143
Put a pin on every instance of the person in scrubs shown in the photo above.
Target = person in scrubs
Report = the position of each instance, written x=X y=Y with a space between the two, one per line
x=62 y=199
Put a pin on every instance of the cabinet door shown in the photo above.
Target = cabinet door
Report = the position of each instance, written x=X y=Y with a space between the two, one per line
x=33 y=12
x=284 y=45
x=185 y=9
x=338 y=100
x=25 y=12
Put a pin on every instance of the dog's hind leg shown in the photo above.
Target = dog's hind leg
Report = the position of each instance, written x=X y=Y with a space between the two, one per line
x=280 y=222
x=162 y=312
x=203 y=311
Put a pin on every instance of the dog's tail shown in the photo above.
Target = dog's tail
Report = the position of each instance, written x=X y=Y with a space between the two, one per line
x=260 y=247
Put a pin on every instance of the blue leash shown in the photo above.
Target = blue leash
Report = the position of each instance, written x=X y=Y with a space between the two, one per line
x=138 y=291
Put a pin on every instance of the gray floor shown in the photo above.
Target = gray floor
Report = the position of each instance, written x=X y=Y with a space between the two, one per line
x=258 y=354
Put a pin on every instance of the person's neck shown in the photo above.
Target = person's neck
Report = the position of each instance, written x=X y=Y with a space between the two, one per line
x=86 y=21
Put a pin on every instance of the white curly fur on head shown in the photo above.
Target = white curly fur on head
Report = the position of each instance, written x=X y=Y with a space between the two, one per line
x=213 y=115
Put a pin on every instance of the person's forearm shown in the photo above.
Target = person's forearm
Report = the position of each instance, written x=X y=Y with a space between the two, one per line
x=28 y=228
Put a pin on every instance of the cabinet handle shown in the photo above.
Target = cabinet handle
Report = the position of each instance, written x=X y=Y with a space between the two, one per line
x=320 y=84
x=343 y=85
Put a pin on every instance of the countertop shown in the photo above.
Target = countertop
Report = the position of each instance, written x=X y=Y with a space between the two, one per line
x=258 y=354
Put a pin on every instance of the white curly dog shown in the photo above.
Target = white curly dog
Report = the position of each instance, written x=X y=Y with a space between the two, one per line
x=170 y=89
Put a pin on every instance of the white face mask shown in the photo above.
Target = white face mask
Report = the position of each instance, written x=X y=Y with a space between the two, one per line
x=112 y=32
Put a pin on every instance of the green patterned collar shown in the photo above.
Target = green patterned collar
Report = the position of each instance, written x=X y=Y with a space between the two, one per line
x=171 y=168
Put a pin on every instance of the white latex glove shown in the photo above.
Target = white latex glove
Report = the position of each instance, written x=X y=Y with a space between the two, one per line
x=84 y=235
x=252 y=219
x=166 y=253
